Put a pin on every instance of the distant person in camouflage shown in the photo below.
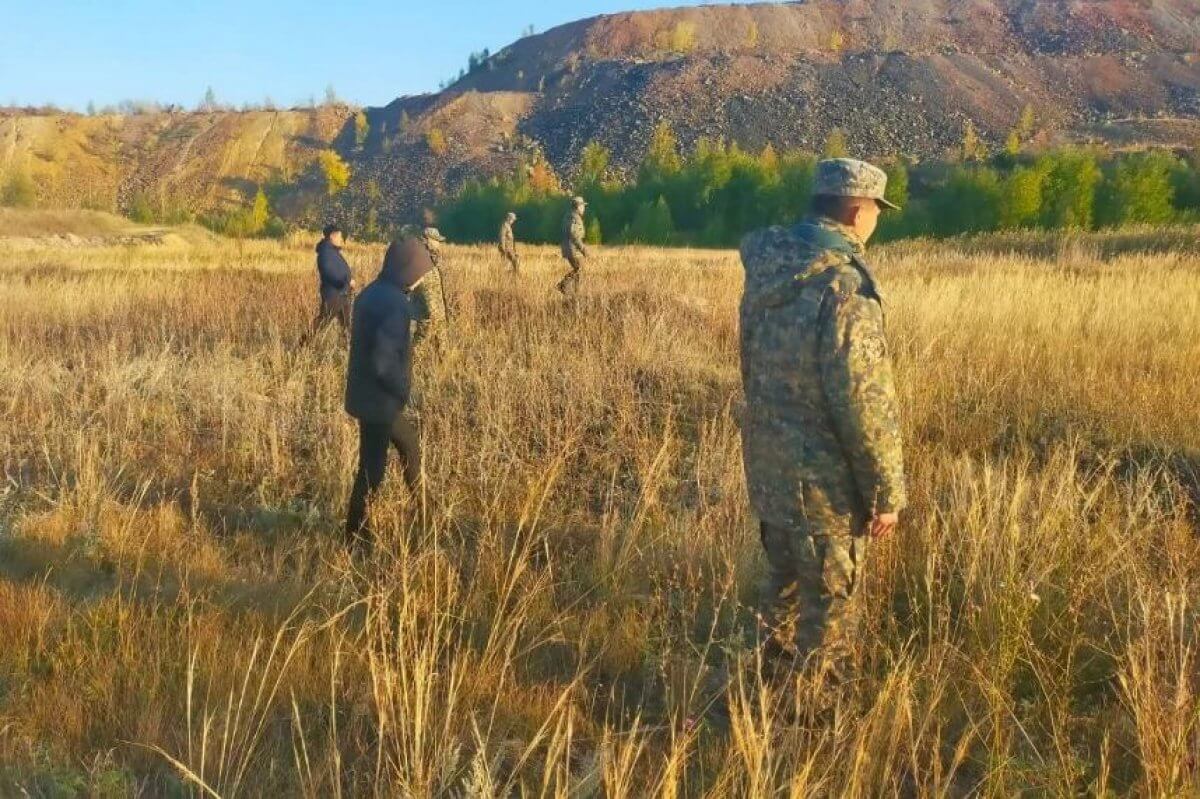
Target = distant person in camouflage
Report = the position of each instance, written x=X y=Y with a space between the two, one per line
x=821 y=434
x=574 y=250
x=508 y=243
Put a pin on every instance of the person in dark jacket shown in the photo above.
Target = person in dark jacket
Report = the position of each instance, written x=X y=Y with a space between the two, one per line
x=379 y=379
x=337 y=281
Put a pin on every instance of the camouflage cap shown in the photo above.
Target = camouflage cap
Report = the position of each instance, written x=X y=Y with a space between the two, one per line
x=511 y=215
x=579 y=201
x=846 y=177
x=433 y=234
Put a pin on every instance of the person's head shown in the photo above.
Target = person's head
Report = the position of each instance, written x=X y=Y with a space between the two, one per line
x=579 y=204
x=433 y=238
x=860 y=214
x=510 y=217
x=852 y=193
x=406 y=263
x=334 y=234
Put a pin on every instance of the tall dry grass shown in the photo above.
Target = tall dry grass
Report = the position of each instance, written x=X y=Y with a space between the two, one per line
x=176 y=615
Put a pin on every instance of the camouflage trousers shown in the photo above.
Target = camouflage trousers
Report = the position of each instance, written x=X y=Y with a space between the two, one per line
x=569 y=285
x=812 y=601
x=514 y=261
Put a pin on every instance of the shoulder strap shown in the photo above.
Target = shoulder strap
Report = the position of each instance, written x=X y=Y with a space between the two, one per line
x=870 y=285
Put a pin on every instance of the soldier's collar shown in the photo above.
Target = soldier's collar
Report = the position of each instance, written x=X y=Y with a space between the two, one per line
x=836 y=227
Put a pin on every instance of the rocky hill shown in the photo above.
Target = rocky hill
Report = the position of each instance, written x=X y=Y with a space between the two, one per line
x=896 y=76
x=197 y=161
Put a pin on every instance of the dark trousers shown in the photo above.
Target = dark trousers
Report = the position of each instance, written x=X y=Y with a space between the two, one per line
x=333 y=306
x=373 y=442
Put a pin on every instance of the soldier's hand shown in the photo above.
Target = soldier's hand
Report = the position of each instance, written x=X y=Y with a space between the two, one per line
x=353 y=284
x=884 y=524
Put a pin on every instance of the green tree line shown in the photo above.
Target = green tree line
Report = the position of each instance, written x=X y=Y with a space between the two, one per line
x=714 y=195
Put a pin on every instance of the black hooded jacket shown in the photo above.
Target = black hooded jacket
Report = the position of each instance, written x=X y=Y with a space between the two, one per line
x=333 y=270
x=379 y=376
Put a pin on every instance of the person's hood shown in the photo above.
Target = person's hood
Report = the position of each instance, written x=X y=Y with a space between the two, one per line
x=404 y=263
x=781 y=261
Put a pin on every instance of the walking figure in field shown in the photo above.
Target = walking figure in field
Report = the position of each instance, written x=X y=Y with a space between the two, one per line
x=508 y=243
x=337 y=281
x=821 y=435
x=379 y=380
x=574 y=250
x=428 y=298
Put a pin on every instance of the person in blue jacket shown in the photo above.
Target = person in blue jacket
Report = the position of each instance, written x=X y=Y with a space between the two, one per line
x=337 y=281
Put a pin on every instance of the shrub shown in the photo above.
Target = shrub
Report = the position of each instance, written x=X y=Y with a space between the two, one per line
x=362 y=129
x=19 y=191
x=653 y=224
x=436 y=141
x=968 y=202
x=1139 y=191
x=1021 y=197
x=1069 y=192
x=836 y=145
x=334 y=170
x=683 y=37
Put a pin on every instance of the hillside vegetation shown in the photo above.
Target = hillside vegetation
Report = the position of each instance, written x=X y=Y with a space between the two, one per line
x=716 y=194
x=894 y=79
x=176 y=612
x=165 y=166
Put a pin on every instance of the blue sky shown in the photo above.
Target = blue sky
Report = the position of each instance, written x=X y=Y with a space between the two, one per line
x=69 y=52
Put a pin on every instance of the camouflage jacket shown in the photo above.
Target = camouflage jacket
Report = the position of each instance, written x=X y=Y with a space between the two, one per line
x=574 y=232
x=821 y=433
x=428 y=310
x=507 y=240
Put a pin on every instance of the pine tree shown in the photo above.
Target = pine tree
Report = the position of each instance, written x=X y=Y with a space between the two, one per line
x=973 y=148
x=593 y=165
x=362 y=129
x=209 y=103
x=259 y=213
x=769 y=159
x=1012 y=145
x=1025 y=124
x=662 y=156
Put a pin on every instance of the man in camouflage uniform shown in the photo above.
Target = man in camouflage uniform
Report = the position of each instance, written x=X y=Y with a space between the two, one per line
x=427 y=301
x=821 y=434
x=508 y=243
x=428 y=298
x=574 y=250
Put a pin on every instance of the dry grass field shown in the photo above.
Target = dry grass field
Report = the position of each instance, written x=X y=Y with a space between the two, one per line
x=177 y=616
